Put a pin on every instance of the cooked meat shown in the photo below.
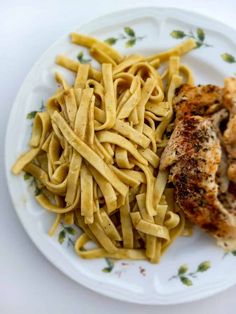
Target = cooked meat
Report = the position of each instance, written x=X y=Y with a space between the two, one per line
x=197 y=154
x=230 y=132
x=232 y=171
x=203 y=99
x=194 y=153
x=218 y=119
x=222 y=173
x=230 y=94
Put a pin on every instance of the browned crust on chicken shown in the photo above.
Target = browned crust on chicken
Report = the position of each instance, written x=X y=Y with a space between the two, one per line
x=193 y=172
x=198 y=154
x=230 y=94
x=230 y=132
x=203 y=99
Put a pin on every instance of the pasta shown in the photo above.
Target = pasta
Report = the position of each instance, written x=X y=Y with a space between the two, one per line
x=95 y=152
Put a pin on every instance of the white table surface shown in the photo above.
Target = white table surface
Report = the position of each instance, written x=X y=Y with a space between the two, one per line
x=28 y=282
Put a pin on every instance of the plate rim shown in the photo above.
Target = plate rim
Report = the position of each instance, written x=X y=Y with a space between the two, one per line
x=84 y=280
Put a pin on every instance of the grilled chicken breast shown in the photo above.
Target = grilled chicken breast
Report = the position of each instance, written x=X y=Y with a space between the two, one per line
x=230 y=133
x=199 y=155
x=197 y=100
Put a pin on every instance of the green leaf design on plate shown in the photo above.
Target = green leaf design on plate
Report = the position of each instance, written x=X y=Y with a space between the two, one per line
x=228 y=57
x=42 y=108
x=204 y=266
x=66 y=233
x=200 y=34
x=70 y=241
x=70 y=230
x=182 y=269
x=37 y=191
x=198 y=44
x=106 y=269
x=130 y=43
x=33 y=182
x=128 y=35
x=27 y=176
x=184 y=275
x=234 y=253
x=129 y=31
x=81 y=58
x=61 y=236
x=111 y=41
x=110 y=265
x=186 y=281
x=31 y=115
x=177 y=34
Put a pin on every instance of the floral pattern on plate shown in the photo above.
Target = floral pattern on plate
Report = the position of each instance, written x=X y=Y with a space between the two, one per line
x=155 y=24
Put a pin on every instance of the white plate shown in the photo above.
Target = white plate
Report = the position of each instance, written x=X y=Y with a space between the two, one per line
x=139 y=282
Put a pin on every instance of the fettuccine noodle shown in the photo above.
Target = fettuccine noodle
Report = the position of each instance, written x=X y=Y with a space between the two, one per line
x=95 y=151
